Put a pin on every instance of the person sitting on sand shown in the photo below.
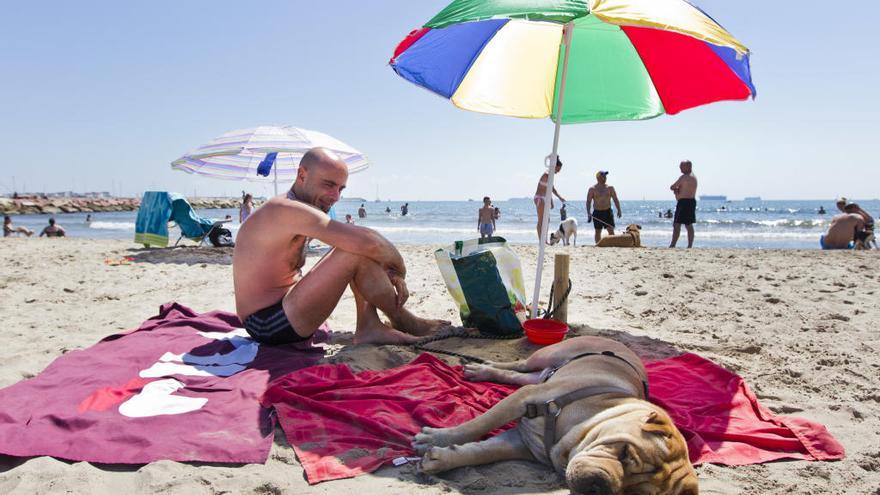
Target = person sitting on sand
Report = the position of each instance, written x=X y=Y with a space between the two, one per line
x=279 y=304
x=9 y=229
x=843 y=231
x=53 y=230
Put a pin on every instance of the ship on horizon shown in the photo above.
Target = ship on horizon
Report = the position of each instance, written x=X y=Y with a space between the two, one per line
x=710 y=197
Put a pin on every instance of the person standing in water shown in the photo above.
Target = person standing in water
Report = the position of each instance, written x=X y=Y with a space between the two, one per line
x=540 y=192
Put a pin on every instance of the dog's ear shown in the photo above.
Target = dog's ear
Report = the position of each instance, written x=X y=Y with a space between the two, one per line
x=653 y=423
x=638 y=226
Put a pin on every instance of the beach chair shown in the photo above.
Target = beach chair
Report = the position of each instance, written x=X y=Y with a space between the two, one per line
x=160 y=207
x=199 y=229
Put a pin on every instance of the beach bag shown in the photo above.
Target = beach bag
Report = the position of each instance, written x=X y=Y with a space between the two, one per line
x=485 y=279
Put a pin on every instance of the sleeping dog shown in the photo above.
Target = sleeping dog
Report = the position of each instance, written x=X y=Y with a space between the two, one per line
x=631 y=237
x=567 y=228
x=603 y=434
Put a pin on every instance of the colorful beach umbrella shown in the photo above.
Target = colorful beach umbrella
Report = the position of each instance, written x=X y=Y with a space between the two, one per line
x=618 y=59
x=265 y=153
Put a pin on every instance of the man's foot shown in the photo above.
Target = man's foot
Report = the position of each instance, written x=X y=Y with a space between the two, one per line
x=414 y=325
x=380 y=333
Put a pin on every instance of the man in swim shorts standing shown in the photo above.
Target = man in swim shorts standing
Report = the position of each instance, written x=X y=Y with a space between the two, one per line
x=486 y=218
x=685 y=190
x=600 y=196
x=278 y=304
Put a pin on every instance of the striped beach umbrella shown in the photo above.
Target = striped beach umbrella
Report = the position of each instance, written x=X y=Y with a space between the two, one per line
x=265 y=153
x=575 y=61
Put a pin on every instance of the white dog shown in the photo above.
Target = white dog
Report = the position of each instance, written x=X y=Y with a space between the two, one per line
x=567 y=229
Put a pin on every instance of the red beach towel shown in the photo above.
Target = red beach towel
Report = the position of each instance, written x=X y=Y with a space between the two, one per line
x=184 y=386
x=343 y=424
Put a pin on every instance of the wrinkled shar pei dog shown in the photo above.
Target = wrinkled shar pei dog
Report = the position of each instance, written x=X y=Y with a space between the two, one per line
x=582 y=409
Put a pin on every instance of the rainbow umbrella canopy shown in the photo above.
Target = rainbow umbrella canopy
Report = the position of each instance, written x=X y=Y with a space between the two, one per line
x=618 y=59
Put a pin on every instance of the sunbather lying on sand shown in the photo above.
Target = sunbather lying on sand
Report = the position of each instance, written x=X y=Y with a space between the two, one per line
x=278 y=304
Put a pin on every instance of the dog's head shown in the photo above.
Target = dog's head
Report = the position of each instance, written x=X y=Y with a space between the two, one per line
x=633 y=227
x=555 y=237
x=633 y=449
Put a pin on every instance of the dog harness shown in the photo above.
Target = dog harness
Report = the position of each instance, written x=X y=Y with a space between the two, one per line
x=551 y=409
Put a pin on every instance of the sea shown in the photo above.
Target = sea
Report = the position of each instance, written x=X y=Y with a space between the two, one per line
x=748 y=224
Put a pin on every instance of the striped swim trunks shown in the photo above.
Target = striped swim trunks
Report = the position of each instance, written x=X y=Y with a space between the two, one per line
x=270 y=326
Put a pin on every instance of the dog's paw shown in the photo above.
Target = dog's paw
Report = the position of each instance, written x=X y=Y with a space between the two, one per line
x=436 y=460
x=432 y=437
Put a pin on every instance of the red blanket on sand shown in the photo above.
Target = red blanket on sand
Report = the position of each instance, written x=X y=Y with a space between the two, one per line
x=343 y=424
x=184 y=386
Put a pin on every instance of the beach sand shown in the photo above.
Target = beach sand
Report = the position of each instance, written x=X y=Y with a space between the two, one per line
x=799 y=326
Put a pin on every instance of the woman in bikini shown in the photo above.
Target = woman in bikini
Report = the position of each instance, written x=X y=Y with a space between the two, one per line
x=540 y=192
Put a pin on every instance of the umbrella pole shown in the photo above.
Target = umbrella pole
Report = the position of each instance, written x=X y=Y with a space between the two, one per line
x=275 y=170
x=548 y=196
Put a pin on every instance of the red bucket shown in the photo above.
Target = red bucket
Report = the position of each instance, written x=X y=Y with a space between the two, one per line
x=544 y=332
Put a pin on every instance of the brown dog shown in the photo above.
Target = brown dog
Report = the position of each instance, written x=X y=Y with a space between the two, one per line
x=610 y=442
x=631 y=237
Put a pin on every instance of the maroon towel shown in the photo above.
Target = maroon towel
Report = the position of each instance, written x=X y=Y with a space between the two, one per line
x=93 y=405
x=343 y=424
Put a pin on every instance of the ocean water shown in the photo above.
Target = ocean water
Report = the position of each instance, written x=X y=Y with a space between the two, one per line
x=720 y=224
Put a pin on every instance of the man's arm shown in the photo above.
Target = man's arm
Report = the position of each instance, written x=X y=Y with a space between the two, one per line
x=616 y=202
x=676 y=185
x=589 y=203
x=311 y=222
x=43 y=232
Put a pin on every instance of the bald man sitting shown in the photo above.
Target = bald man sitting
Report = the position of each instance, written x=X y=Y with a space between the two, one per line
x=278 y=304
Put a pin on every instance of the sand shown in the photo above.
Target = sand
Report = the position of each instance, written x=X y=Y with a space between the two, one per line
x=799 y=326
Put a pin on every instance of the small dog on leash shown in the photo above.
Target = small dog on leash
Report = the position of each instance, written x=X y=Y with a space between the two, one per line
x=567 y=229
x=631 y=237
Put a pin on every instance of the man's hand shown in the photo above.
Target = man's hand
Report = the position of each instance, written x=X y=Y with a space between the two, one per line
x=399 y=287
x=589 y=218
x=619 y=214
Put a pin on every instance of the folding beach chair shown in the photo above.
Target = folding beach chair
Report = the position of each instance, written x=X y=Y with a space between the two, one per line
x=196 y=228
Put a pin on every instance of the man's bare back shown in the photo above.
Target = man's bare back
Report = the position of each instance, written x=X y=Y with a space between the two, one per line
x=275 y=258
x=279 y=304
x=842 y=230
x=685 y=187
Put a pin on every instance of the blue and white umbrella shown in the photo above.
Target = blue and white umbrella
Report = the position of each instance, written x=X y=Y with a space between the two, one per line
x=264 y=154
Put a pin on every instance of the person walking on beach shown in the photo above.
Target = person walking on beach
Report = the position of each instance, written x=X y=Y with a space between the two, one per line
x=486 y=219
x=563 y=213
x=362 y=212
x=600 y=196
x=9 y=229
x=247 y=207
x=685 y=191
x=279 y=304
x=541 y=192
x=53 y=230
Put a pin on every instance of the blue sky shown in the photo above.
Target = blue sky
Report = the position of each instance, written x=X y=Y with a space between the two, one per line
x=104 y=95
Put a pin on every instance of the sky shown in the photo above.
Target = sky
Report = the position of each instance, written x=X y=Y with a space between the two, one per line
x=103 y=95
